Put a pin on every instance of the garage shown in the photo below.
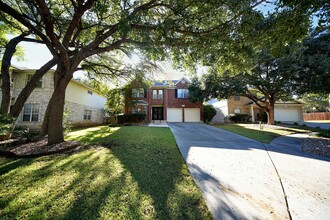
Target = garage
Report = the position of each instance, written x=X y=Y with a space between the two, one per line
x=174 y=115
x=287 y=115
x=192 y=115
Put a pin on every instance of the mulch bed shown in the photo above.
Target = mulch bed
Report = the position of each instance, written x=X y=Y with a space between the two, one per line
x=40 y=148
x=318 y=146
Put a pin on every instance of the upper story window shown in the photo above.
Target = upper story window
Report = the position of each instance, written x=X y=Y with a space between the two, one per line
x=31 y=112
x=138 y=93
x=157 y=94
x=90 y=92
x=182 y=93
x=29 y=76
x=236 y=98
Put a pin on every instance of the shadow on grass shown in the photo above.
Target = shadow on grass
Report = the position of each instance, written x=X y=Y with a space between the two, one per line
x=135 y=179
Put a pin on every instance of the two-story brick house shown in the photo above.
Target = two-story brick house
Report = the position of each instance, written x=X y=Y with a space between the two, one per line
x=164 y=101
x=84 y=105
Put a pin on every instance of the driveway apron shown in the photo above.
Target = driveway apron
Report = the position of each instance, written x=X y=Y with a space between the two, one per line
x=234 y=173
x=238 y=180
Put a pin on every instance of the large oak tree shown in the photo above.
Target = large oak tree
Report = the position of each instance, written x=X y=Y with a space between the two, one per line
x=76 y=30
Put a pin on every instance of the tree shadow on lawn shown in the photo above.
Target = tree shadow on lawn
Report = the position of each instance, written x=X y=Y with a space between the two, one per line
x=127 y=181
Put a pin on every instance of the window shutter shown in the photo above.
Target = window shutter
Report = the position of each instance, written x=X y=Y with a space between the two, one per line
x=176 y=93
x=145 y=93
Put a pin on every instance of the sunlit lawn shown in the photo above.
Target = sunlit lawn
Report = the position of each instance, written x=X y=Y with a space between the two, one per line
x=266 y=134
x=140 y=176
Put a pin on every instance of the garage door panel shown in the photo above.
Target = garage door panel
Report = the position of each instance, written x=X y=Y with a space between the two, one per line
x=286 y=115
x=174 y=115
x=192 y=115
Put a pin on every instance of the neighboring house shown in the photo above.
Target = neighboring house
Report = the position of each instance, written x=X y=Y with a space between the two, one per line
x=84 y=105
x=290 y=111
x=164 y=101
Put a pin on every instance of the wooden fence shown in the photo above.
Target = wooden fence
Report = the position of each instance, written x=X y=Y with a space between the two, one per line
x=316 y=116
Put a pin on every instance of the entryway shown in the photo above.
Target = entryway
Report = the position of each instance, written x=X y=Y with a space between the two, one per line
x=157 y=113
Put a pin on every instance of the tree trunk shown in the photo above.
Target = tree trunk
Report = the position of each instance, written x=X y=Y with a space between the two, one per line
x=6 y=82
x=270 y=115
x=53 y=120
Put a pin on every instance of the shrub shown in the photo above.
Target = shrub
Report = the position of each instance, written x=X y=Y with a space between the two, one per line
x=324 y=133
x=239 y=118
x=209 y=112
x=24 y=133
x=131 y=118
x=7 y=124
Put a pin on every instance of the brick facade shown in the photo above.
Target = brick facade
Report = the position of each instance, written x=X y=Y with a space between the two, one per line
x=169 y=99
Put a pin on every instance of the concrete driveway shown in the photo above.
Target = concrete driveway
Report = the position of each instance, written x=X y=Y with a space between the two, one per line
x=238 y=180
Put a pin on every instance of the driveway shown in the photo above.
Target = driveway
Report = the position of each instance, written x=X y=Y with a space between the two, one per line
x=239 y=181
x=315 y=125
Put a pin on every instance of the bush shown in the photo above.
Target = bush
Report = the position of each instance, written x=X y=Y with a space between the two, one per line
x=24 y=133
x=209 y=112
x=131 y=118
x=7 y=124
x=237 y=118
x=324 y=133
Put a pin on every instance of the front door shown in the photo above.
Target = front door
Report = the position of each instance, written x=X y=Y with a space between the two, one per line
x=157 y=113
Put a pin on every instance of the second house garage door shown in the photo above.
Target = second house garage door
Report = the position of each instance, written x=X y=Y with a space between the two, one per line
x=174 y=114
x=190 y=115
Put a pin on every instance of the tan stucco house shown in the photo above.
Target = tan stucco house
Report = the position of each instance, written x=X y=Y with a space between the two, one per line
x=84 y=105
x=289 y=111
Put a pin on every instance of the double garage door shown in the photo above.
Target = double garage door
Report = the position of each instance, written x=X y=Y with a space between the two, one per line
x=287 y=115
x=190 y=115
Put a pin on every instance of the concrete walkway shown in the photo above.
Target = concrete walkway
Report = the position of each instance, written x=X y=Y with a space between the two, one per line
x=238 y=180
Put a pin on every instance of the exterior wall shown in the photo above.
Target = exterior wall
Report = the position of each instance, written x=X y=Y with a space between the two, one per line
x=77 y=93
x=168 y=101
x=240 y=104
x=39 y=96
x=76 y=114
x=77 y=99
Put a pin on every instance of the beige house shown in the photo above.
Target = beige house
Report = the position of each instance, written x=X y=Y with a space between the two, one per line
x=84 y=105
x=290 y=111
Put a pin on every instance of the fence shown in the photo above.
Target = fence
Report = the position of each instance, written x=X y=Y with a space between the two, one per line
x=316 y=116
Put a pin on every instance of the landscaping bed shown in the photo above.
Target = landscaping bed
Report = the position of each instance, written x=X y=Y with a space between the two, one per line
x=316 y=145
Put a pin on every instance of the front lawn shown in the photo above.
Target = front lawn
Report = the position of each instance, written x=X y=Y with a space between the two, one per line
x=266 y=134
x=127 y=173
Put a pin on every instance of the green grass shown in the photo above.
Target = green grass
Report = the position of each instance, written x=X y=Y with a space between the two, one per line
x=267 y=134
x=141 y=176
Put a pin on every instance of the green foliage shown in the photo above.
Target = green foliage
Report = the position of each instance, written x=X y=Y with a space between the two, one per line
x=315 y=102
x=131 y=118
x=209 y=112
x=238 y=118
x=23 y=133
x=66 y=120
x=7 y=124
x=324 y=133
x=195 y=91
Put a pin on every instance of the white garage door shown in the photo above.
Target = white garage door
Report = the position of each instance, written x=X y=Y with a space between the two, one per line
x=286 y=115
x=192 y=115
x=174 y=115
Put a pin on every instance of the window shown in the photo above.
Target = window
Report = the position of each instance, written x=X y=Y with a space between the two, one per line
x=157 y=94
x=183 y=93
x=90 y=92
x=138 y=93
x=39 y=83
x=140 y=109
x=236 y=98
x=87 y=114
x=31 y=112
